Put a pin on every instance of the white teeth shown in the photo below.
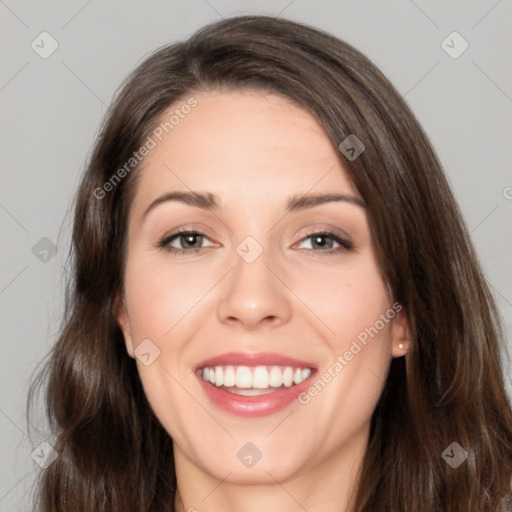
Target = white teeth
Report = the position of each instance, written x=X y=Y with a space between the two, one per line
x=243 y=377
x=229 y=376
x=255 y=377
x=288 y=376
x=260 y=378
x=276 y=377
x=219 y=376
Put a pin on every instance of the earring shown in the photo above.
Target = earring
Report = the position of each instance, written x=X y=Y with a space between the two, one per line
x=401 y=346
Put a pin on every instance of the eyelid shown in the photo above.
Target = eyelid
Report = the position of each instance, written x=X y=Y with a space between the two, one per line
x=199 y=228
x=337 y=235
x=326 y=229
x=344 y=241
x=164 y=242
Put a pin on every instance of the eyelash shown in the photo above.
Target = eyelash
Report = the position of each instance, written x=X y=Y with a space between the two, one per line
x=163 y=244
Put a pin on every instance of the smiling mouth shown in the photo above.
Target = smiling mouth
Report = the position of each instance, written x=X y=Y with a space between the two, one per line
x=253 y=380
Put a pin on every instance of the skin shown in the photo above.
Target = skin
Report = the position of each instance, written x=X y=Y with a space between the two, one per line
x=253 y=150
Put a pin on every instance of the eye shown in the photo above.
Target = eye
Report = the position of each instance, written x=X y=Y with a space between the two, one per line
x=325 y=240
x=189 y=240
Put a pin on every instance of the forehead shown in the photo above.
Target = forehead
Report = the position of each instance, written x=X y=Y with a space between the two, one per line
x=248 y=146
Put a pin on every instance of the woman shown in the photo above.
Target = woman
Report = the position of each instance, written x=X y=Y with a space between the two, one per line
x=326 y=342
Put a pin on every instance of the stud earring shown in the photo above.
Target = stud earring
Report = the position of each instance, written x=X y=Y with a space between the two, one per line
x=401 y=346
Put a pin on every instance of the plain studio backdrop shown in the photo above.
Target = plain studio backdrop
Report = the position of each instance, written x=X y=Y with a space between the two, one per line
x=62 y=62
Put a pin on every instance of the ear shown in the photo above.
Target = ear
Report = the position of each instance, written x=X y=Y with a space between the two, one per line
x=401 y=334
x=124 y=323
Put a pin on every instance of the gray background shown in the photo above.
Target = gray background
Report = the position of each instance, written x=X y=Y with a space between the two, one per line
x=51 y=110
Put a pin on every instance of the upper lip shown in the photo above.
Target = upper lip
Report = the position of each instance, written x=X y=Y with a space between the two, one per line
x=254 y=359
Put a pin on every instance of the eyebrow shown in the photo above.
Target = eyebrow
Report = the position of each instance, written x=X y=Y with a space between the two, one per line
x=208 y=201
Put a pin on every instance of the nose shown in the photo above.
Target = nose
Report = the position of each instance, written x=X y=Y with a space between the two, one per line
x=253 y=294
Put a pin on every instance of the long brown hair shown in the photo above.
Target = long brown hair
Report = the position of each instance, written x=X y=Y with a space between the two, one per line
x=115 y=456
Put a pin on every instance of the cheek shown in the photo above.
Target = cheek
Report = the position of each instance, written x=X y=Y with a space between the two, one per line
x=161 y=294
x=347 y=299
x=332 y=305
x=356 y=317
x=161 y=299
x=340 y=300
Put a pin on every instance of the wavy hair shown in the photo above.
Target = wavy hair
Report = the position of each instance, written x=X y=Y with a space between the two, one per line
x=115 y=456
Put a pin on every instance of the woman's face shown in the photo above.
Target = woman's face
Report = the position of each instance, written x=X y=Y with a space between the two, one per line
x=281 y=309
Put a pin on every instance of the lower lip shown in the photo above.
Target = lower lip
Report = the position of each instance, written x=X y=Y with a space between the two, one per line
x=253 y=406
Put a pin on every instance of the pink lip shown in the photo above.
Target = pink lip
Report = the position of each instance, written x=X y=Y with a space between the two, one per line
x=254 y=359
x=253 y=406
